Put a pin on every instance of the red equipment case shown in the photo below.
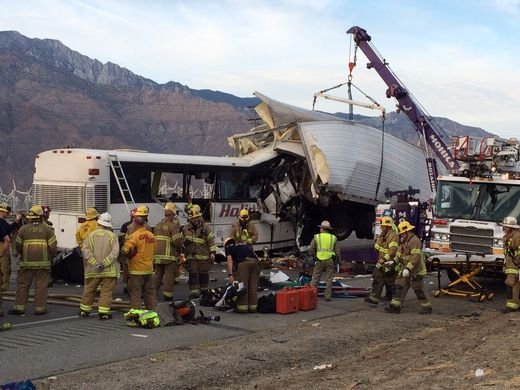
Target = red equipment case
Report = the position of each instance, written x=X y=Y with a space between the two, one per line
x=287 y=301
x=308 y=297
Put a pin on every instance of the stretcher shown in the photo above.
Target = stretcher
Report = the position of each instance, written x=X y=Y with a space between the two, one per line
x=465 y=284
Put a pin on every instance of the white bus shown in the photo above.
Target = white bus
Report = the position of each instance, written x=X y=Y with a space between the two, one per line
x=71 y=180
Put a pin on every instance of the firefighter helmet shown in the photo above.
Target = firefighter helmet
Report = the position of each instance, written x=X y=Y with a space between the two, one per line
x=35 y=212
x=387 y=221
x=229 y=241
x=4 y=207
x=405 y=226
x=194 y=211
x=142 y=211
x=510 y=222
x=91 y=214
x=244 y=215
x=105 y=220
x=170 y=208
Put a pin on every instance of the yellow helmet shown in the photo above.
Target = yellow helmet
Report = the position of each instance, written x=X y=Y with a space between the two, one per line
x=142 y=211
x=404 y=227
x=229 y=241
x=387 y=221
x=91 y=213
x=35 y=212
x=4 y=207
x=194 y=211
x=244 y=215
x=170 y=208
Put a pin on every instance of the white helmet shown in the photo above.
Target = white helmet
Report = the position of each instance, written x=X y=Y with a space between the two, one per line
x=105 y=220
x=510 y=222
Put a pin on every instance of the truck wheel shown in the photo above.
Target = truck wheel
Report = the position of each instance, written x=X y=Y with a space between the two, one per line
x=342 y=227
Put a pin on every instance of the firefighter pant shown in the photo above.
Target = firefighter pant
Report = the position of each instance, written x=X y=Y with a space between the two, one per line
x=5 y=269
x=165 y=274
x=199 y=275
x=325 y=267
x=105 y=297
x=513 y=291
x=247 y=273
x=142 y=286
x=381 y=278
x=23 y=283
x=402 y=286
x=124 y=271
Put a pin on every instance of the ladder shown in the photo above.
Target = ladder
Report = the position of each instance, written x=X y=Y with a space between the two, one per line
x=121 y=181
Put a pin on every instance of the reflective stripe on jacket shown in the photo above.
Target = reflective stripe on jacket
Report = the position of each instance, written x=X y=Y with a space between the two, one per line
x=168 y=241
x=199 y=242
x=325 y=243
x=36 y=244
x=100 y=247
x=412 y=256
x=512 y=252
x=244 y=234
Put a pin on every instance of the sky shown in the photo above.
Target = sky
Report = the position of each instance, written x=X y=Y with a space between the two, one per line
x=458 y=58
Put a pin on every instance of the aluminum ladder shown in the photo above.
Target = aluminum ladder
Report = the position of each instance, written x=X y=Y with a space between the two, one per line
x=121 y=181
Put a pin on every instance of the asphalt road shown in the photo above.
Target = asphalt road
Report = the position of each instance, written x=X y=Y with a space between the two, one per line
x=60 y=341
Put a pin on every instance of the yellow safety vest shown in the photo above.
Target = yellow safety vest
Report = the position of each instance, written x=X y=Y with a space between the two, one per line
x=325 y=243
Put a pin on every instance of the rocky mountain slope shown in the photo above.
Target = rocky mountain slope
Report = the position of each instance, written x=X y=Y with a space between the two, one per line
x=52 y=96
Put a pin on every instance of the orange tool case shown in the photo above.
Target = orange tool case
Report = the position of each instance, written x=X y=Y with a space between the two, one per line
x=308 y=299
x=287 y=301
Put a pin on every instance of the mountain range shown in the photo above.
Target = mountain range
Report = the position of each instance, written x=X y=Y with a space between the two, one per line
x=52 y=96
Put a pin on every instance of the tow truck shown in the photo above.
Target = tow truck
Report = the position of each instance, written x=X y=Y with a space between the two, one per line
x=480 y=188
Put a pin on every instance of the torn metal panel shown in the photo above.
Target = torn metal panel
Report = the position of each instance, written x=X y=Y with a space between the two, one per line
x=352 y=154
x=282 y=113
x=294 y=148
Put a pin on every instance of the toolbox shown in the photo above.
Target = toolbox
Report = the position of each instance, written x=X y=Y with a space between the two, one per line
x=287 y=301
x=308 y=297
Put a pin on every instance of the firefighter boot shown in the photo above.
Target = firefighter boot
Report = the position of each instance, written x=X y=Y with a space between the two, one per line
x=426 y=304
x=393 y=309
x=375 y=294
x=104 y=316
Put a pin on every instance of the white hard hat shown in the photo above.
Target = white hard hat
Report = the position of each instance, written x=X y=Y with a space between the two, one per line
x=105 y=220
x=510 y=222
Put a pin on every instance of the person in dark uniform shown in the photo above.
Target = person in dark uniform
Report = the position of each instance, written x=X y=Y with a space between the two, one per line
x=242 y=265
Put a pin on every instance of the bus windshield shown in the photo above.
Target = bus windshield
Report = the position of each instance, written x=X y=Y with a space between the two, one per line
x=477 y=201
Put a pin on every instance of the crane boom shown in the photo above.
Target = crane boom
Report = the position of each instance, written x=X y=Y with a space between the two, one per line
x=422 y=122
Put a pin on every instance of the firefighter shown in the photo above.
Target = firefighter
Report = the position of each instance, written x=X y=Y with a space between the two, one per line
x=88 y=226
x=411 y=270
x=324 y=247
x=100 y=251
x=36 y=244
x=511 y=263
x=384 y=274
x=167 y=249
x=243 y=231
x=242 y=265
x=139 y=249
x=5 y=241
x=199 y=249
x=122 y=238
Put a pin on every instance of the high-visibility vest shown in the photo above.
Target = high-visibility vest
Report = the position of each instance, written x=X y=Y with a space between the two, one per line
x=325 y=243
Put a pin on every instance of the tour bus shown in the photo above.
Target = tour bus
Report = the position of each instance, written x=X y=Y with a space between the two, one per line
x=70 y=180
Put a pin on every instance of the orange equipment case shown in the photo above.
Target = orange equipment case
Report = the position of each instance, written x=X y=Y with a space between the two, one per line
x=287 y=301
x=308 y=299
